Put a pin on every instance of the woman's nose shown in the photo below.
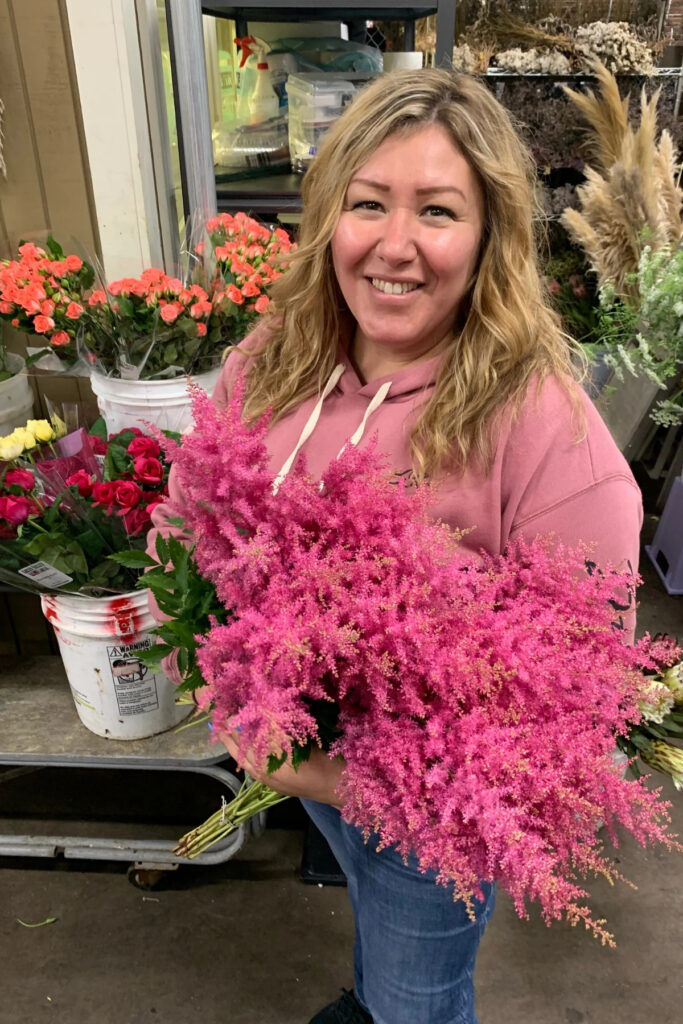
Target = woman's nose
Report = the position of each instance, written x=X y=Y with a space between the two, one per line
x=396 y=242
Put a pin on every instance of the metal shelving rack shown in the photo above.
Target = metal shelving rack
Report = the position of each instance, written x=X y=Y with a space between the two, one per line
x=40 y=729
x=191 y=91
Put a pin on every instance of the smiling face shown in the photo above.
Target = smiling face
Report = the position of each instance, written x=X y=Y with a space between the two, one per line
x=407 y=243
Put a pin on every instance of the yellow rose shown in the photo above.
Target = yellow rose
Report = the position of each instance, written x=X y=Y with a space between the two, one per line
x=59 y=426
x=27 y=438
x=41 y=430
x=11 y=447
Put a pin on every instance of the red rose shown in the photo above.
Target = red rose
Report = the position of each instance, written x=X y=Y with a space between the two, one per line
x=20 y=478
x=128 y=430
x=16 y=510
x=155 y=499
x=104 y=493
x=136 y=521
x=83 y=481
x=143 y=447
x=99 y=446
x=128 y=495
x=148 y=471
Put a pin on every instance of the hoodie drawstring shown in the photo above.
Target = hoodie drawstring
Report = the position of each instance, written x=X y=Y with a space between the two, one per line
x=312 y=421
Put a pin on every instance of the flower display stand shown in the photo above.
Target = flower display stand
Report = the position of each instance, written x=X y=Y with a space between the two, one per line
x=39 y=729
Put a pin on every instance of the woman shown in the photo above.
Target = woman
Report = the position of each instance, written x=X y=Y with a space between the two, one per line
x=413 y=310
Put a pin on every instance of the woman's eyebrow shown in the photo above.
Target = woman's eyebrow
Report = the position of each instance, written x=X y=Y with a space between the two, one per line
x=433 y=189
x=430 y=190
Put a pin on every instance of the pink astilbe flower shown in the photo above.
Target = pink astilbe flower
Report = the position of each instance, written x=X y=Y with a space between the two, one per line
x=478 y=702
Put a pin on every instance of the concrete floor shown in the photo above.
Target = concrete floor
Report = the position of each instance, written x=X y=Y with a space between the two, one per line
x=247 y=943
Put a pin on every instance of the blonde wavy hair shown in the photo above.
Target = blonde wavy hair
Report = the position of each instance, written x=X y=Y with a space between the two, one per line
x=506 y=333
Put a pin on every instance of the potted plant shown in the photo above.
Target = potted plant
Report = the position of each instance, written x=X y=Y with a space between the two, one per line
x=66 y=505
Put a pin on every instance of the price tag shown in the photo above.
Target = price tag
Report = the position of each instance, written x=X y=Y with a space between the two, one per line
x=45 y=574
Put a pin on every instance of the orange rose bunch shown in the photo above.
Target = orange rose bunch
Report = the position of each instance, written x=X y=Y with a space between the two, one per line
x=42 y=293
x=152 y=322
x=249 y=257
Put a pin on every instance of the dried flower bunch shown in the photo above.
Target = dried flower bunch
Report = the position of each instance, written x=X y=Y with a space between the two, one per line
x=616 y=45
x=544 y=61
x=554 y=47
x=631 y=188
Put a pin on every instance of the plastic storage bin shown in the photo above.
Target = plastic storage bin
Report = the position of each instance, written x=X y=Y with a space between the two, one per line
x=315 y=101
x=666 y=550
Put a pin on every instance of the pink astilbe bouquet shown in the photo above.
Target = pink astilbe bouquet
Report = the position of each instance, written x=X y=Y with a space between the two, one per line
x=477 y=701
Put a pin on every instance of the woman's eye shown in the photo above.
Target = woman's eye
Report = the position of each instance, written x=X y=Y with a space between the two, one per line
x=366 y=204
x=439 y=211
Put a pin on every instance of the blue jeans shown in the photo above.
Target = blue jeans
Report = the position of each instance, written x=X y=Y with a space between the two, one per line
x=415 y=947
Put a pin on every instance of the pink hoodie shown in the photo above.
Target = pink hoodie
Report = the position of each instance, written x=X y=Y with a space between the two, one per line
x=543 y=480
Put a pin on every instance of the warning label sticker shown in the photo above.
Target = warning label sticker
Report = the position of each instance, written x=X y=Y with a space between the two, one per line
x=134 y=685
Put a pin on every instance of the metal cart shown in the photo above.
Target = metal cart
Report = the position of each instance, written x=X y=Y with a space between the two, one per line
x=39 y=728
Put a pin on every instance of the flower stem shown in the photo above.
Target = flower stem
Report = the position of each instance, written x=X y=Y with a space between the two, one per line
x=252 y=798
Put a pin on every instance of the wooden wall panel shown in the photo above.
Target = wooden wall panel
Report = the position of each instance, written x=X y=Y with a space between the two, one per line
x=47 y=185
x=21 y=195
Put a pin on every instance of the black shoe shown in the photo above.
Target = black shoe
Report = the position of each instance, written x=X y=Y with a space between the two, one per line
x=345 y=1010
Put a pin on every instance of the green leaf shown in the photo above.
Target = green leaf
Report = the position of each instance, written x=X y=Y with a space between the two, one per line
x=153 y=656
x=126 y=307
x=54 y=248
x=641 y=742
x=30 y=360
x=300 y=755
x=180 y=556
x=276 y=761
x=99 y=429
x=162 y=550
x=171 y=354
x=120 y=460
x=133 y=559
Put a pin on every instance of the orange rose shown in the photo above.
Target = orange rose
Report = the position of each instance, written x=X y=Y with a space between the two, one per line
x=42 y=324
x=235 y=295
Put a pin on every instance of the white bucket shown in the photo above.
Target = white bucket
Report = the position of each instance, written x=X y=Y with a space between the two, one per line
x=116 y=694
x=16 y=397
x=132 y=403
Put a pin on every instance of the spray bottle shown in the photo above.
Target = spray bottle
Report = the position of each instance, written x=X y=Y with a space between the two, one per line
x=261 y=102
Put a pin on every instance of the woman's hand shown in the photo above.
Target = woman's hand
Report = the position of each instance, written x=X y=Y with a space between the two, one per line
x=315 y=779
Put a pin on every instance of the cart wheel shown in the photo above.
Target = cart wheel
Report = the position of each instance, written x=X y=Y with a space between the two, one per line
x=147 y=879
